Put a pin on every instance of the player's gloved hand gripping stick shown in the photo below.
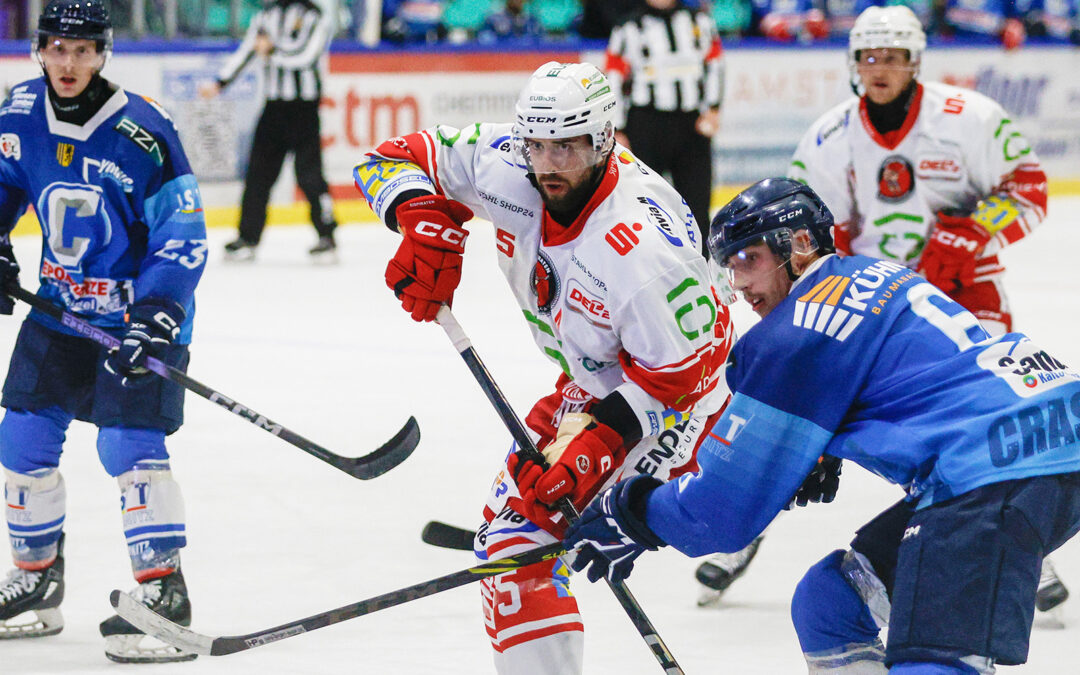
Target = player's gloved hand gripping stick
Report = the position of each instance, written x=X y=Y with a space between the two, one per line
x=376 y=463
x=517 y=430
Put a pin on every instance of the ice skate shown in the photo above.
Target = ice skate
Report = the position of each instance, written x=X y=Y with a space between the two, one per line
x=1050 y=596
x=721 y=570
x=166 y=596
x=39 y=592
x=325 y=250
x=239 y=250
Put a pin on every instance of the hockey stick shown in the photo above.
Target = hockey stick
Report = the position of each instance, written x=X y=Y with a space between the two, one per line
x=447 y=536
x=373 y=464
x=154 y=625
x=517 y=430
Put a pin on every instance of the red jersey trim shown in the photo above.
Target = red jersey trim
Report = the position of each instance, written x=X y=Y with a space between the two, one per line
x=554 y=234
x=890 y=140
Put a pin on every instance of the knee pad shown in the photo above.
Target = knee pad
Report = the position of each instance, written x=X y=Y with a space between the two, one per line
x=30 y=441
x=121 y=448
x=835 y=628
x=36 y=504
x=153 y=514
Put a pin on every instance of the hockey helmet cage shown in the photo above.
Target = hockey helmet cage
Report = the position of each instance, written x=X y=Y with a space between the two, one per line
x=769 y=211
x=565 y=100
x=892 y=27
x=76 y=19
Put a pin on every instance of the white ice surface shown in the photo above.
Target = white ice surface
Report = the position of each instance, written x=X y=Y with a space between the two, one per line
x=277 y=535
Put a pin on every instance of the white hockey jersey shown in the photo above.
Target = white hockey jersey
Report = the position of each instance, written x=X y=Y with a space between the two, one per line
x=620 y=300
x=956 y=148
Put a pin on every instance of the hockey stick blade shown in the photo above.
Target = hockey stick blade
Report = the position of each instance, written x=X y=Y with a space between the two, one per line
x=447 y=536
x=143 y=618
x=386 y=457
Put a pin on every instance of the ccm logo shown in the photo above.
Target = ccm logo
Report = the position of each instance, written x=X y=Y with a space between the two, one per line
x=956 y=241
x=541 y=120
x=437 y=231
x=789 y=216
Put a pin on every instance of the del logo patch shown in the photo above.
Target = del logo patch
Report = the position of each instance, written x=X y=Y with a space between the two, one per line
x=10 y=146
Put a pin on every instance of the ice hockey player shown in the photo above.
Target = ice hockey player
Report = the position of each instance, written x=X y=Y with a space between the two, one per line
x=124 y=244
x=932 y=176
x=979 y=430
x=604 y=259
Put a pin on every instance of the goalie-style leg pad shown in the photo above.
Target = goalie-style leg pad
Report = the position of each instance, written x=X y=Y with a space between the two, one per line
x=836 y=630
x=530 y=615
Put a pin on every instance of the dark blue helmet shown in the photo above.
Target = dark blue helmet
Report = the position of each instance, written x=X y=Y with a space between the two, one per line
x=769 y=211
x=76 y=19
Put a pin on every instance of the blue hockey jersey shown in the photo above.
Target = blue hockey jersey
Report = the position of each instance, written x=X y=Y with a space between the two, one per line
x=867 y=361
x=120 y=211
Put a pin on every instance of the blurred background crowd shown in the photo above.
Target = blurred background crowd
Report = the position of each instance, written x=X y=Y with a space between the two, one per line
x=1011 y=23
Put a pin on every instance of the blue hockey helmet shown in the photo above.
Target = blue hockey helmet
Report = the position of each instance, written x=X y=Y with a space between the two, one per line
x=76 y=19
x=769 y=212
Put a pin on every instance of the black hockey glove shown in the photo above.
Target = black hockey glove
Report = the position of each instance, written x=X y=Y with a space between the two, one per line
x=152 y=323
x=821 y=484
x=9 y=274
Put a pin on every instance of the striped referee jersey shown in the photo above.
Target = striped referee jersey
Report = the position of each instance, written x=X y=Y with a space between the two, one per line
x=300 y=31
x=668 y=60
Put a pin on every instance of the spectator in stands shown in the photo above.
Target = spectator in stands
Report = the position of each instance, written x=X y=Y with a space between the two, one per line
x=411 y=21
x=786 y=20
x=514 y=20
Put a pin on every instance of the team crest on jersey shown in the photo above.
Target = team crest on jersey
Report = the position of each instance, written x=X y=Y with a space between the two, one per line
x=545 y=283
x=10 y=146
x=837 y=304
x=896 y=179
x=65 y=152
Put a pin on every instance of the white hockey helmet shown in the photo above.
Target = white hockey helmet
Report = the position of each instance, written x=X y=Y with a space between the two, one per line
x=566 y=100
x=893 y=27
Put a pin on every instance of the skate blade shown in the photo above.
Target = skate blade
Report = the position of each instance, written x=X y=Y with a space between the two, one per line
x=46 y=622
x=130 y=649
x=325 y=258
x=1051 y=619
x=242 y=256
x=709 y=598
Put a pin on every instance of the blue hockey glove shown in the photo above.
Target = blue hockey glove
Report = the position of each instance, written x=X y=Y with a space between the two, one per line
x=152 y=323
x=9 y=273
x=612 y=533
x=821 y=483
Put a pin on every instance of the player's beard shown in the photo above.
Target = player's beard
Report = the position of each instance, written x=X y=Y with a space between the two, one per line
x=565 y=208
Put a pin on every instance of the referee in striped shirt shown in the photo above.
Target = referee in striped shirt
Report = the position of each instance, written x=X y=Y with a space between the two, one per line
x=666 y=62
x=289 y=37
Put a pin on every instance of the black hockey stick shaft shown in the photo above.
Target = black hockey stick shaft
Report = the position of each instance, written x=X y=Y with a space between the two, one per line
x=376 y=463
x=443 y=535
x=521 y=436
x=158 y=627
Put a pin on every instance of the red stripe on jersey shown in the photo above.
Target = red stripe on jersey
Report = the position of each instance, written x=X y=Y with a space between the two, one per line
x=417 y=147
x=554 y=234
x=891 y=139
x=676 y=386
x=1026 y=184
x=615 y=63
x=716 y=50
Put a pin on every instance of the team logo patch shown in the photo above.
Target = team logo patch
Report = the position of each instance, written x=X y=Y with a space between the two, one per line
x=896 y=179
x=65 y=152
x=587 y=305
x=545 y=283
x=582 y=462
x=10 y=146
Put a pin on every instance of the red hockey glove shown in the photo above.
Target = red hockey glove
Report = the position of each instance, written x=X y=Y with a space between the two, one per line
x=426 y=269
x=582 y=457
x=948 y=261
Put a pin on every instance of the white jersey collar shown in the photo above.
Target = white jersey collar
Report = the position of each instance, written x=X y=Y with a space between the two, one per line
x=82 y=132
